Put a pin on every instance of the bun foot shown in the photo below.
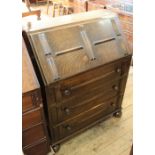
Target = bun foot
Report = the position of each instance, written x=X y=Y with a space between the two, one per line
x=118 y=114
x=56 y=147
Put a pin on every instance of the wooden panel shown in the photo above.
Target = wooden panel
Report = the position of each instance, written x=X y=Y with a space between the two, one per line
x=93 y=74
x=87 y=118
x=90 y=48
x=39 y=149
x=29 y=79
x=85 y=91
x=31 y=100
x=32 y=118
x=27 y=102
x=33 y=134
x=74 y=108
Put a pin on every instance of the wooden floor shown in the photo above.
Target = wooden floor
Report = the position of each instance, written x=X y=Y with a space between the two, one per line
x=111 y=137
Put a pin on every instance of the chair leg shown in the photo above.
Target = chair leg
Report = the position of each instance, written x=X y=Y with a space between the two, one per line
x=54 y=7
x=47 y=6
x=58 y=9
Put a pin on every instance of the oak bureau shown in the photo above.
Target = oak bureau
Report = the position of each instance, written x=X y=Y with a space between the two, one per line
x=82 y=62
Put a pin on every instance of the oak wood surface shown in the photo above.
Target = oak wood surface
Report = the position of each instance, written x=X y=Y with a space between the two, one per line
x=34 y=129
x=29 y=79
x=75 y=71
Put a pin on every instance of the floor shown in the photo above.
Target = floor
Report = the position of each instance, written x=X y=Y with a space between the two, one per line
x=111 y=137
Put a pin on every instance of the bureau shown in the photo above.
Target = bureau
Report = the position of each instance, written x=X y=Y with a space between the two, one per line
x=82 y=62
x=35 y=140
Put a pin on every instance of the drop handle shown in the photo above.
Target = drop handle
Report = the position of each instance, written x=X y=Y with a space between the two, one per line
x=118 y=70
x=67 y=92
x=68 y=128
x=67 y=111
x=115 y=88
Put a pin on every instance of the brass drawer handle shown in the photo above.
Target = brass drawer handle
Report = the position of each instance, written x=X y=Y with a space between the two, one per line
x=67 y=111
x=115 y=88
x=118 y=70
x=68 y=128
x=67 y=92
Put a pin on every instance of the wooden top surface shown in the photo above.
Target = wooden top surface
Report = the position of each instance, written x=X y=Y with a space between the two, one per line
x=29 y=79
x=63 y=20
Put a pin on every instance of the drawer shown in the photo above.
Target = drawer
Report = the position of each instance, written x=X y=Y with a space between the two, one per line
x=33 y=134
x=39 y=149
x=31 y=100
x=32 y=118
x=91 y=81
x=27 y=102
x=86 y=119
x=90 y=98
x=90 y=90
x=92 y=75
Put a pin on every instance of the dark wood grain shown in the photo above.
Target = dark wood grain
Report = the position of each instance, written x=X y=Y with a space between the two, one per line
x=40 y=148
x=87 y=91
x=34 y=134
x=34 y=127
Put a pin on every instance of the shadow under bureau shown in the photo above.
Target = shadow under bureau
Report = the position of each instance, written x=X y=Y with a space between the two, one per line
x=82 y=63
x=35 y=140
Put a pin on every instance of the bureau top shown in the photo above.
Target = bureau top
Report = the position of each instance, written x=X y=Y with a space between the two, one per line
x=29 y=79
x=45 y=22
x=86 y=41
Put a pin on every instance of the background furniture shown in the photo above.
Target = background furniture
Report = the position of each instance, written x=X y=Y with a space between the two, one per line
x=124 y=10
x=35 y=139
x=63 y=7
x=83 y=73
x=27 y=11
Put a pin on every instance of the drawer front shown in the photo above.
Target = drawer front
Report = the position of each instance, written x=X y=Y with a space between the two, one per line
x=76 y=86
x=92 y=75
x=86 y=119
x=32 y=118
x=39 y=149
x=33 y=134
x=84 y=92
x=31 y=100
x=27 y=103
x=88 y=99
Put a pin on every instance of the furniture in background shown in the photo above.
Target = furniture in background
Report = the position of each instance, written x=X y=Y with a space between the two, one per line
x=123 y=8
x=35 y=139
x=63 y=7
x=83 y=68
x=37 y=1
x=35 y=12
x=27 y=11
x=56 y=4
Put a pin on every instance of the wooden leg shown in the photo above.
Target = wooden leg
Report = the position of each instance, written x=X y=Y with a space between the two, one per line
x=86 y=5
x=54 y=7
x=118 y=114
x=64 y=11
x=56 y=147
x=47 y=6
